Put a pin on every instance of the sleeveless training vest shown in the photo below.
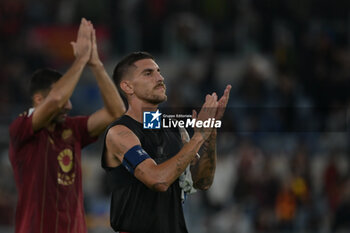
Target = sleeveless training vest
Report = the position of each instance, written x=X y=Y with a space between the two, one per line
x=134 y=207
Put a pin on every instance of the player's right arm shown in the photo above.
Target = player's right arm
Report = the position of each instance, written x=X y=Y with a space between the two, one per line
x=120 y=140
x=62 y=90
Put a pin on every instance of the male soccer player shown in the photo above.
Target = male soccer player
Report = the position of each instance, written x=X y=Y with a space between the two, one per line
x=45 y=143
x=144 y=165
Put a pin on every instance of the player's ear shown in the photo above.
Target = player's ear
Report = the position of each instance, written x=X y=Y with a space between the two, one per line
x=38 y=98
x=126 y=86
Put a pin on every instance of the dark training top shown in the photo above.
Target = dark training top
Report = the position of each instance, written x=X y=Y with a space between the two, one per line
x=134 y=207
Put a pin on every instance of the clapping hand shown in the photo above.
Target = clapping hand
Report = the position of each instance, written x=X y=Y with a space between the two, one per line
x=82 y=46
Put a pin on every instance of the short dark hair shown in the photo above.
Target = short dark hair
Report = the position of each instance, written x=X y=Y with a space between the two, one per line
x=122 y=67
x=42 y=80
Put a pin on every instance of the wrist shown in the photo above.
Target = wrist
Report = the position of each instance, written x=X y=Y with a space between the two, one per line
x=79 y=61
x=213 y=134
x=96 y=65
x=198 y=138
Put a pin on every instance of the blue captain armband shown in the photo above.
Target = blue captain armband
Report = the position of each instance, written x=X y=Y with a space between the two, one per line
x=134 y=157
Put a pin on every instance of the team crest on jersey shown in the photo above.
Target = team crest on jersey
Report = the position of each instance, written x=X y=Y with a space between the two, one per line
x=65 y=179
x=65 y=160
x=66 y=134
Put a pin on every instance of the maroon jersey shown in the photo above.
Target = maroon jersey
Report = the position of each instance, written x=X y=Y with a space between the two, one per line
x=47 y=170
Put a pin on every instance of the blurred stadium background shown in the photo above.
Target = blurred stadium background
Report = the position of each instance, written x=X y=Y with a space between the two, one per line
x=283 y=154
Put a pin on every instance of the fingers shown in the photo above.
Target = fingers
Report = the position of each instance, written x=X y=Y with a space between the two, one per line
x=184 y=135
x=82 y=23
x=93 y=36
x=84 y=31
x=93 y=33
x=94 y=58
x=207 y=98
x=88 y=24
x=227 y=90
x=224 y=99
x=222 y=103
x=94 y=43
x=194 y=114
x=211 y=101
x=83 y=28
x=209 y=107
x=73 y=46
x=82 y=46
x=208 y=111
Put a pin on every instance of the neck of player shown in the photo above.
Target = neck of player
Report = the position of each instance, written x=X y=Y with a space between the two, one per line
x=135 y=111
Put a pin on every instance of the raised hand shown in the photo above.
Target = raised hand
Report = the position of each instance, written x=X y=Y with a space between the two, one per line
x=185 y=138
x=208 y=111
x=219 y=112
x=222 y=103
x=94 y=58
x=82 y=46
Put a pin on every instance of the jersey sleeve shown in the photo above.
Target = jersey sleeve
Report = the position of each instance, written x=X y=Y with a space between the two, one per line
x=81 y=129
x=21 y=130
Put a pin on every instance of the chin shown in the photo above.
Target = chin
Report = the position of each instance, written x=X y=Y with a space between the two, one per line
x=60 y=119
x=163 y=99
x=158 y=100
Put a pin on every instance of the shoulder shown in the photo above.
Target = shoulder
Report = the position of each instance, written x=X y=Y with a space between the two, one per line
x=120 y=139
x=120 y=132
x=25 y=114
x=125 y=122
x=22 y=118
x=21 y=129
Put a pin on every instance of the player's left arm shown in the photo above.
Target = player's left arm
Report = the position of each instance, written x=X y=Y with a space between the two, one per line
x=113 y=103
x=203 y=169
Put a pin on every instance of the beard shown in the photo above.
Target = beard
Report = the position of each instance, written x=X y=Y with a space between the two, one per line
x=60 y=117
x=154 y=96
x=156 y=99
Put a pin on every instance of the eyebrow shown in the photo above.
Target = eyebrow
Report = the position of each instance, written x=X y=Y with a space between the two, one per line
x=147 y=70
x=150 y=70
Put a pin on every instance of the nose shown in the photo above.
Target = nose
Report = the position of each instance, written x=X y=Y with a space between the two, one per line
x=68 y=105
x=159 y=77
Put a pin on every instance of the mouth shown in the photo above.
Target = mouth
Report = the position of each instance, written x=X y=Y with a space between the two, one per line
x=63 y=114
x=161 y=86
x=61 y=117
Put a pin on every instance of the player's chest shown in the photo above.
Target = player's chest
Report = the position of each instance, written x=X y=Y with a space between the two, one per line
x=161 y=145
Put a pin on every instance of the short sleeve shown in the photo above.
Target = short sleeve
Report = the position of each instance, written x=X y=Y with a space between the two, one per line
x=21 y=130
x=80 y=125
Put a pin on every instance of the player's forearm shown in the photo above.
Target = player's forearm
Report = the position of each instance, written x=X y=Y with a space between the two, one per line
x=204 y=170
x=170 y=170
x=63 y=89
x=112 y=100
